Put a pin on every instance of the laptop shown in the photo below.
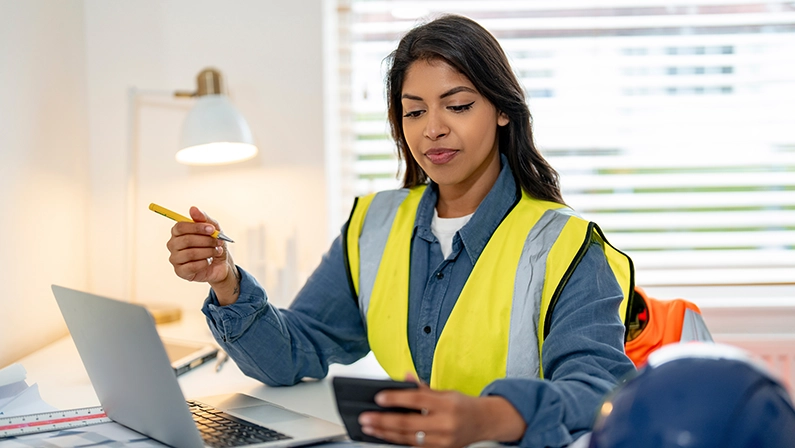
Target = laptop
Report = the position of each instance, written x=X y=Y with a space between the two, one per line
x=137 y=387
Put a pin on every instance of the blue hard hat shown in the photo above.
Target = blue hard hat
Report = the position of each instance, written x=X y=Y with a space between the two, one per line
x=698 y=396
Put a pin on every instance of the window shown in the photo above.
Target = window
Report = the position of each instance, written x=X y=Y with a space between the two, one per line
x=671 y=127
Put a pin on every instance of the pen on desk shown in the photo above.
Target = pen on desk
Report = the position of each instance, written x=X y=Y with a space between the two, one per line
x=179 y=218
x=221 y=360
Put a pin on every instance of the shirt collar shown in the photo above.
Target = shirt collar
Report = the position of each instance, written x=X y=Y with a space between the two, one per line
x=488 y=216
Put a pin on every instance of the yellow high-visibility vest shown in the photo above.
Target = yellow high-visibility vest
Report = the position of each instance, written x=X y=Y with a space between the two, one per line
x=499 y=322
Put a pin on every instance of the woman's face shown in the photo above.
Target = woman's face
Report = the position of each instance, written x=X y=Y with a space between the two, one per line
x=451 y=129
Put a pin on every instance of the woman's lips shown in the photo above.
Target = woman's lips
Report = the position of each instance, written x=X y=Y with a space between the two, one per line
x=441 y=156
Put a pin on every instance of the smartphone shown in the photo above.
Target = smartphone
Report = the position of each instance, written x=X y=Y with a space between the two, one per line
x=357 y=395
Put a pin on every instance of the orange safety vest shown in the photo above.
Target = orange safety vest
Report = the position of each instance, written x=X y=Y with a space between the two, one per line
x=654 y=323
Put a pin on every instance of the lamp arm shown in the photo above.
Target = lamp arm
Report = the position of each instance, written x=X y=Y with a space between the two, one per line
x=131 y=194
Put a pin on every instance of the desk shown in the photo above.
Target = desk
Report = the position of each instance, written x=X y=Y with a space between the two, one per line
x=64 y=383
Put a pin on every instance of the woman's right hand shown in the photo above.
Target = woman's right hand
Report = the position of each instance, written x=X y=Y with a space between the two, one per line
x=198 y=257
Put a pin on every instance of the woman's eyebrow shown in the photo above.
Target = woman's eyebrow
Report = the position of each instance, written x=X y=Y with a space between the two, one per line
x=453 y=91
x=408 y=96
x=458 y=89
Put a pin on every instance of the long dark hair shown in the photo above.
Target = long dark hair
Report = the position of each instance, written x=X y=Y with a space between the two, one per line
x=474 y=52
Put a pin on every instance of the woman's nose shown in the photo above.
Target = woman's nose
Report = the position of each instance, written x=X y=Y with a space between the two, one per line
x=435 y=127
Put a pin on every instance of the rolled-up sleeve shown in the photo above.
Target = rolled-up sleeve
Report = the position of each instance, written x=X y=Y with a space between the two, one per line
x=321 y=326
x=583 y=359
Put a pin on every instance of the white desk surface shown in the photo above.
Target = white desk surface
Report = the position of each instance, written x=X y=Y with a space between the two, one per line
x=64 y=383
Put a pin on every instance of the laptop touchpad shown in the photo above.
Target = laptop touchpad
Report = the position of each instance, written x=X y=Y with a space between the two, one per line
x=266 y=414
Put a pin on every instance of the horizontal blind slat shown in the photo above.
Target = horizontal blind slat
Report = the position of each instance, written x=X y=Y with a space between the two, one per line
x=745 y=160
x=676 y=180
x=706 y=259
x=723 y=276
x=676 y=220
x=629 y=201
x=725 y=239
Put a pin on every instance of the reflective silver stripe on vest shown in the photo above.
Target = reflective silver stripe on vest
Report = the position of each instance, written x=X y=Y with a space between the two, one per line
x=372 y=241
x=694 y=328
x=567 y=211
x=523 y=357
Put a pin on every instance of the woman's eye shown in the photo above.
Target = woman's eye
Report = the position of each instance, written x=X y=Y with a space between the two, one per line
x=412 y=114
x=462 y=107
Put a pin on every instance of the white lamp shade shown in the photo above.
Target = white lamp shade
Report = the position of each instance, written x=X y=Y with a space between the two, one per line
x=215 y=133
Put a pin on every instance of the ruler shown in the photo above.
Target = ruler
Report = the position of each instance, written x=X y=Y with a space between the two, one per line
x=50 y=421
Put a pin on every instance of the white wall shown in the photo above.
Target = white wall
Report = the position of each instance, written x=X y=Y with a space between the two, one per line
x=271 y=56
x=65 y=71
x=43 y=168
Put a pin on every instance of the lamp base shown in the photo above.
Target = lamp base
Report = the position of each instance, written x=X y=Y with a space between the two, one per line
x=164 y=313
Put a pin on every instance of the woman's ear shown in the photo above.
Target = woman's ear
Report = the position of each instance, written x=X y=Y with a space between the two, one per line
x=502 y=119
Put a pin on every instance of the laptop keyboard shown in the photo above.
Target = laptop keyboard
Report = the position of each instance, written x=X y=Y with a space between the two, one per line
x=219 y=429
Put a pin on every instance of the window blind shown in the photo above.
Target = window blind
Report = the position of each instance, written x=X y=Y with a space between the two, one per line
x=672 y=127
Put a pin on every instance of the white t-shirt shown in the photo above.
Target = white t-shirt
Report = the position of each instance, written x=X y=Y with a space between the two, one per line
x=444 y=230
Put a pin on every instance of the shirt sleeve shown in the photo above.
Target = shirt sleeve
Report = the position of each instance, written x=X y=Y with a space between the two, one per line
x=583 y=358
x=281 y=346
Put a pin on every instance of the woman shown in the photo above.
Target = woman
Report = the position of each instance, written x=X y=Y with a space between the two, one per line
x=474 y=279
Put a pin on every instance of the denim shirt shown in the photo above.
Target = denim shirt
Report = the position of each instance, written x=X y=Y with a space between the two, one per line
x=583 y=355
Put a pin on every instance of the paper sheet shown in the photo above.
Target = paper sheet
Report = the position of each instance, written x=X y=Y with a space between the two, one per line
x=12 y=374
x=28 y=401
x=103 y=434
x=10 y=391
x=16 y=397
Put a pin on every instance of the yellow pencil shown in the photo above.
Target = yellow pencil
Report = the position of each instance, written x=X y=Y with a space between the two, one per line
x=179 y=218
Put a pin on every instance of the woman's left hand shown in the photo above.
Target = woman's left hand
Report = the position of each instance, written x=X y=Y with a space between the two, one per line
x=445 y=418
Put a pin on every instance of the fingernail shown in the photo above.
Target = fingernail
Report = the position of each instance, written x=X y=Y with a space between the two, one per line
x=209 y=229
x=364 y=420
x=367 y=430
x=379 y=399
x=219 y=249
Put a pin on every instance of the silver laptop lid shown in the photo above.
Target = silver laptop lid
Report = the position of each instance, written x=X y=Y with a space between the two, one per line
x=128 y=366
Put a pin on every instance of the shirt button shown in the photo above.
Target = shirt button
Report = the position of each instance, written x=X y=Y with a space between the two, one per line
x=440 y=275
x=427 y=329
